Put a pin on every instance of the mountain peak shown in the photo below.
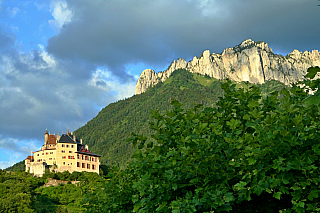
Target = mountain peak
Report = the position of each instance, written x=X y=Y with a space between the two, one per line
x=249 y=61
x=247 y=43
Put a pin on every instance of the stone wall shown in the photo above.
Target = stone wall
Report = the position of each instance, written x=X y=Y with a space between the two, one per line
x=54 y=182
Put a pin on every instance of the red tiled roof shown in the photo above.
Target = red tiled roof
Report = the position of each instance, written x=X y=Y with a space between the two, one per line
x=30 y=157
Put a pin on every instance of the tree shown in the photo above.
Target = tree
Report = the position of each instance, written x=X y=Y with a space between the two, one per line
x=249 y=154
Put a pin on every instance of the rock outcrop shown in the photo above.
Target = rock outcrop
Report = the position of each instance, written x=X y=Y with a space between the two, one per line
x=249 y=61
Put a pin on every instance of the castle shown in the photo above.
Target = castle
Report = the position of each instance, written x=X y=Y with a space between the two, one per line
x=62 y=153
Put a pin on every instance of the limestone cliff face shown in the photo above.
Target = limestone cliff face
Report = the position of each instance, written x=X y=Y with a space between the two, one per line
x=249 y=61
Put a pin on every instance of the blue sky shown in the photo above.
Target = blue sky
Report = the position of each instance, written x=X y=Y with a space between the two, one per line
x=62 y=61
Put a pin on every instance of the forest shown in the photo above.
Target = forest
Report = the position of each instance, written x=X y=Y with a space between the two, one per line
x=22 y=192
x=251 y=150
x=106 y=134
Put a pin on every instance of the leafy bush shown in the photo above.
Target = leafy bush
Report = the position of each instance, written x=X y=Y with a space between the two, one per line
x=249 y=154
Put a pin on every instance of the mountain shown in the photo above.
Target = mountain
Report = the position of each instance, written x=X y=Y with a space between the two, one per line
x=106 y=134
x=249 y=61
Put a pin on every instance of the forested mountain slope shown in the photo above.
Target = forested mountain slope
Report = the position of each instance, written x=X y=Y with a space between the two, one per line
x=106 y=134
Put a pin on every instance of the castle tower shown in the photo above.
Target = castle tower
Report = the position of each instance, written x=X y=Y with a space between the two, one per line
x=46 y=137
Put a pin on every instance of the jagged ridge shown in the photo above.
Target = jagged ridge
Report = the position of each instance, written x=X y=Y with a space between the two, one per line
x=249 y=61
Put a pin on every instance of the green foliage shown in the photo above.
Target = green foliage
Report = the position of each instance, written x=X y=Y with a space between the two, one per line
x=112 y=194
x=250 y=153
x=107 y=132
x=22 y=192
x=16 y=191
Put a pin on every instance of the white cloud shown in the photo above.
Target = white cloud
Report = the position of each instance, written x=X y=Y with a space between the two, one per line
x=12 y=12
x=61 y=14
x=46 y=57
x=39 y=91
x=211 y=8
x=15 y=150
x=106 y=81
x=6 y=164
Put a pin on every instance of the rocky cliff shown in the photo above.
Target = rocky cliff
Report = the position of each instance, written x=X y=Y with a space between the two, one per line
x=249 y=61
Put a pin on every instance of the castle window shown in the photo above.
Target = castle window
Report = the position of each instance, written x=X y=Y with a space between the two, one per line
x=69 y=157
x=67 y=146
x=37 y=154
x=85 y=157
x=82 y=157
x=82 y=165
x=88 y=166
x=50 y=158
x=92 y=159
x=63 y=157
x=95 y=160
x=70 y=151
x=92 y=166
x=78 y=156
x=78 y=164
x=42 y=153
x=64 y=163
x=62 y=151
x=46 y=153
x=62 y=145
x=71 y=146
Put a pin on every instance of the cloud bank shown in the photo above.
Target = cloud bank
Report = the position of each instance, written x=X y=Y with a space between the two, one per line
x=114 y=33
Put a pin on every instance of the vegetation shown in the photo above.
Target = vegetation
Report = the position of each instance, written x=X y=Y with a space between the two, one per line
x=248 y=149
x=22 y=192
x=107 y=132
x=16 y=191
x=248 y=154
x=18 y=167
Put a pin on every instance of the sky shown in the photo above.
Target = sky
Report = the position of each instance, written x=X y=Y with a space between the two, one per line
x=62 y=61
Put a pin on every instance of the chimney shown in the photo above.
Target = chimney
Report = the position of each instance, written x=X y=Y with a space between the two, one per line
x=74 y=137
x=81 y=140
x=68 y=132
x=87 y=147
x=58 y=137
